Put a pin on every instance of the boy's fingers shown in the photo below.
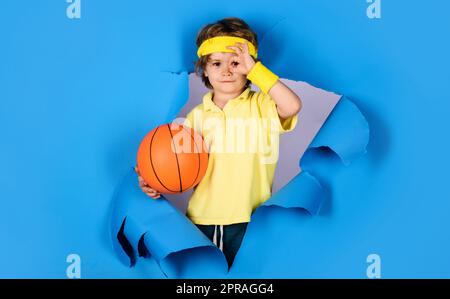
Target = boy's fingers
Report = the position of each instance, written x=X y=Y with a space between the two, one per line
x=148 y=189
x=151 y=192
x=142 y=181
x=143 y=184
x=154 y=195
x=236 y=49
x=137 y=170
x=241 y=46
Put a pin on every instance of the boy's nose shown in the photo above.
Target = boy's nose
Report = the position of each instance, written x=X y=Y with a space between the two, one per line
x=227 y=68
x=227 y=71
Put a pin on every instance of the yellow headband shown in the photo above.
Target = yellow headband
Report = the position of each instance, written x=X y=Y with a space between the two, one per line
x=220 y=44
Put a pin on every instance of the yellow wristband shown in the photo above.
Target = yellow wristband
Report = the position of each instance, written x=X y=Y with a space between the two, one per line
x=262 y=77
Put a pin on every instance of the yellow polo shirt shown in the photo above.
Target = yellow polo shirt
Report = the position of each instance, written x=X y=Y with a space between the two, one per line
x=243 y=144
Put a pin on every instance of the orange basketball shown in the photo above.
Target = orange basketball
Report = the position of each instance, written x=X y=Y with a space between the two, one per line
x=172 y=158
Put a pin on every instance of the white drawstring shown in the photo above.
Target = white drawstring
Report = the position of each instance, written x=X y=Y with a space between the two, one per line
x=215 y=235
x=219 y=243
x=221 y=237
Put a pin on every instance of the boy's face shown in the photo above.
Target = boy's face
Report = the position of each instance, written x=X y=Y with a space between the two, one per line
x=221 y=73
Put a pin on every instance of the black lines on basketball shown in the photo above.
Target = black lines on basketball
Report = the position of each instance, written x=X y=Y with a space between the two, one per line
x=176 y=157
x=153 y=166
x=166 y=165
x=198 y=158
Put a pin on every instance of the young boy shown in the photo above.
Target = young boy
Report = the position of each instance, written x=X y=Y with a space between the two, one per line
x=240 y=174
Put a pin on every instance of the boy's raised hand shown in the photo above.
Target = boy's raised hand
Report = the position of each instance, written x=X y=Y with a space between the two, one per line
x=246 y=61
x=145 y=187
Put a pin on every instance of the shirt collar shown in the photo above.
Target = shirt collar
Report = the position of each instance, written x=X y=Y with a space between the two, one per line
x=208 y=104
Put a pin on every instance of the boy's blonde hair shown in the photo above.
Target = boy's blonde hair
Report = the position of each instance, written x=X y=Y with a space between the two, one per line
x=225 y=27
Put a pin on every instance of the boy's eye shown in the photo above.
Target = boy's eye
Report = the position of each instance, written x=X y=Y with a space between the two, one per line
x=216 y=64
x=235 y=63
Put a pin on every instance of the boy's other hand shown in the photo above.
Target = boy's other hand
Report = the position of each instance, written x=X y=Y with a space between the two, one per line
x=145 y=187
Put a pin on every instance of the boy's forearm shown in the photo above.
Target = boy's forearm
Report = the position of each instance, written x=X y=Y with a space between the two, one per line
x=288 y=103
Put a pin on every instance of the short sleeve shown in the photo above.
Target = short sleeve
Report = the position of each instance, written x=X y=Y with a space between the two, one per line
x=268 y=109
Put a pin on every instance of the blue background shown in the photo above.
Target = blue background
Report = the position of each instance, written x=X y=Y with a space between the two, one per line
x=76 y=97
